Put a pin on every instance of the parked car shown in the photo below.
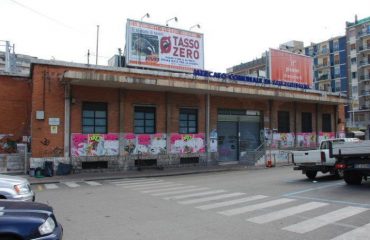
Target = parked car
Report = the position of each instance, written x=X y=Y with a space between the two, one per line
x=15 y=188
x=28 y=220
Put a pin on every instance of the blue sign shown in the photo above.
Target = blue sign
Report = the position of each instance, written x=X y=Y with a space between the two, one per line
x=250 y=79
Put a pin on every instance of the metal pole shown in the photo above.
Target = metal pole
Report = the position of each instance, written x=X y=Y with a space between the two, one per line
x=88 y=56
x=97 y=43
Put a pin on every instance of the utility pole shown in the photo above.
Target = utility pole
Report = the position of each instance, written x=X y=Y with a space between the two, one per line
x=88 y=56
x=97 y=44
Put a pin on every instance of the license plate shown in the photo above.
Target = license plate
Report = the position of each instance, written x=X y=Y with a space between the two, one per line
x=362 y=165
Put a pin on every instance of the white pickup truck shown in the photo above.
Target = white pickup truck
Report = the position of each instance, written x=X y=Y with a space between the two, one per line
x=312 y=161
x=353 y=158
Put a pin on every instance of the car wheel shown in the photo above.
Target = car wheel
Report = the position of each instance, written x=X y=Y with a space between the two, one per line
x=2 y=197
x=9 y=237
x=352 y=178
x=339 y=173
x=311 y=174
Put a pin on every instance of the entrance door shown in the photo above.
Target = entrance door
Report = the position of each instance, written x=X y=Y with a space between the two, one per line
x=227 y=141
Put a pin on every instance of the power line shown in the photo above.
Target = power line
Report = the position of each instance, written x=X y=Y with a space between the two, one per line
x=41 y=14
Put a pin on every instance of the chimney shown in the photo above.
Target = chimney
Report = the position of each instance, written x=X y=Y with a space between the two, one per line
x=356 y=19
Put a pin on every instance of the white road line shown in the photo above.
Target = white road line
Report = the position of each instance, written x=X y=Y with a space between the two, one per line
x=322 y=220
x=194 y=195
x=212 y=198
x=232 y=202
x=287 y=212
x=158 y=185
x=93 y=183
x=361 y=233
x=167 y=189
x=51 y=186
x=71 y=184
x=138 y=183
x=131 y=180
x=180 y=191
x=254 y=207
x=1 y=213
x=151 y=184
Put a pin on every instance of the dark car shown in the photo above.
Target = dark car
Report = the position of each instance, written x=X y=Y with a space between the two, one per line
x=28 y=220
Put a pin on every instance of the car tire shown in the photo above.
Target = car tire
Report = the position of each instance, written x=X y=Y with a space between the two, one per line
x=9 y=237
x=339 y=173
x=352 y=178
x=311 y=174
x=2 y=197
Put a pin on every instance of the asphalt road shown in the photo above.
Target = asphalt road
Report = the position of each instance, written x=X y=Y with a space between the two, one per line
x=276 y=203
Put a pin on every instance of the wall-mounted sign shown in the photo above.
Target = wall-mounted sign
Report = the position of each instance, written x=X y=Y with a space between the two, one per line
x=54 y=121
x=54 y=129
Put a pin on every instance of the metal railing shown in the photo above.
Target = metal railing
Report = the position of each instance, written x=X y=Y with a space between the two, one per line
x=251 y=156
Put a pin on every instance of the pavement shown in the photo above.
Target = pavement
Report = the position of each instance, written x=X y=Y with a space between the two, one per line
x=110 y=175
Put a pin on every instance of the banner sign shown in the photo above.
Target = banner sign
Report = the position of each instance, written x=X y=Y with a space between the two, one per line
x=95 y=144
x=249 y=79
x=187 y=143
x=146 y=144
x=160 y=47
x=306 y=139
x=290 y=67
x=326 y=135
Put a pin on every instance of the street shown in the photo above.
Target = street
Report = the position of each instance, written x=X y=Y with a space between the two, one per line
x=275 y=203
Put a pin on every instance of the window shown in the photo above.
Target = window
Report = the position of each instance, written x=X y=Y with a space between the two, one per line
x=336 y=59
x=326 y=122
x=353 y=74
x=353 y=60
x=337 y=71
x=306 y=122
x=94 y=117
x=353 y=46
x=188 y=121
x=144 y=120
x=283 y=122
x=335 y=45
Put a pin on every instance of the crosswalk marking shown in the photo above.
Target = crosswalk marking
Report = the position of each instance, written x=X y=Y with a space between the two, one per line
x=180 y=191
x=71 y=184
x=158 y=185
x=168 y=189
x=150 y=184
x=361 y=233
x=131 y=180
x=320 y=221
x=138 y=183
x=212 y=198
x=50 y=186
x=254 y=207
x=194 y=195
x=231 y=202
x=287 y=212
x=93 y=183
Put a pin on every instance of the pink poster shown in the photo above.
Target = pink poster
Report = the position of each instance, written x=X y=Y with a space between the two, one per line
x=187 y=143
x=326 y=135
x=306 y=140
x=94 y=144
x=146 y=144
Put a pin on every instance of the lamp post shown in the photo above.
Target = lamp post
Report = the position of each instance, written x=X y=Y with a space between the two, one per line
x=139 y=42
x=174 y=18
x=196 y=25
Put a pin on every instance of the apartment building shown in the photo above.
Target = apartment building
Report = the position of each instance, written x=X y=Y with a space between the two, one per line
x=358 y=58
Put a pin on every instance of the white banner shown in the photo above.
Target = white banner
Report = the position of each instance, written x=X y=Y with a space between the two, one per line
x=155 y=46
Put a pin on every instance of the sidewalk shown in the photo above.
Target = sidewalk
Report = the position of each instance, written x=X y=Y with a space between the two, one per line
x=95 y=176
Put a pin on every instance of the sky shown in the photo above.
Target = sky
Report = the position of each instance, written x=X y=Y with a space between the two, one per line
x=234 y=31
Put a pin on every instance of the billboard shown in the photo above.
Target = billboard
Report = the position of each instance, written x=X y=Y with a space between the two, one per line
x=290 y=67
x=155 y=46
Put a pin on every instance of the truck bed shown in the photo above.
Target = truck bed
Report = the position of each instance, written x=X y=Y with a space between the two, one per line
x=350 y=149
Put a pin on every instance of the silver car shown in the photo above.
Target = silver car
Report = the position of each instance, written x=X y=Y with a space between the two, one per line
x=15 y=188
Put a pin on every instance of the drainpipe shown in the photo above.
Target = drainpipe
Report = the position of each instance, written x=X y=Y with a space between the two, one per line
x=208 y=100
x=336 y=120
x=317 y=123
x=67 y=120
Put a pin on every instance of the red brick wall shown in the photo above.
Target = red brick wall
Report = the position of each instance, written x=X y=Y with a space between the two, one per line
x=15 y=107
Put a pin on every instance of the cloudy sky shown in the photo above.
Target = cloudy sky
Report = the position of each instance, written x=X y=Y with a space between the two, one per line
x=234 y=31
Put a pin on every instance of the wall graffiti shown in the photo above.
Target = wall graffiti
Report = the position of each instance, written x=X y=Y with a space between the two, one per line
x=326 y=136
x=187 y=143
x=145 y=143
x=94 y=144
x=306 y=139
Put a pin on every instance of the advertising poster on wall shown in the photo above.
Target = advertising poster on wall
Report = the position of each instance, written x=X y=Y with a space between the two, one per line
x=187 y=143
x=283 y=140
x=326 y=135
x=161 y=47
x=146 y=144
x=94 y=144
x=290 y=67
x=306 y=139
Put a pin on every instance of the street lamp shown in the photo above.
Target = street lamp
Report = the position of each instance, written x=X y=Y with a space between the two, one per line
x=196 y=25
x=174 y=18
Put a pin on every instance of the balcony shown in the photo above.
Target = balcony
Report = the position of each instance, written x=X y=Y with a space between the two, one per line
x=365 y=93
x=324 y=77
x=319 y=66
x=364 y=33
x=364 y=63
x=363 y=48
x=364 y=78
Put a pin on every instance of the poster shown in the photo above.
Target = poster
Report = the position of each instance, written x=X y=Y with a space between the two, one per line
x=94 y=144
x=162 y=47
x=146 y=144
x=306 y=140
x=187 y=143
x=326 y=135
x=283 y=140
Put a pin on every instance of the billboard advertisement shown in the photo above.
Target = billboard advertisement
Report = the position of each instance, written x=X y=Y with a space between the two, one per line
x=290 y=67
x=155 y=46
